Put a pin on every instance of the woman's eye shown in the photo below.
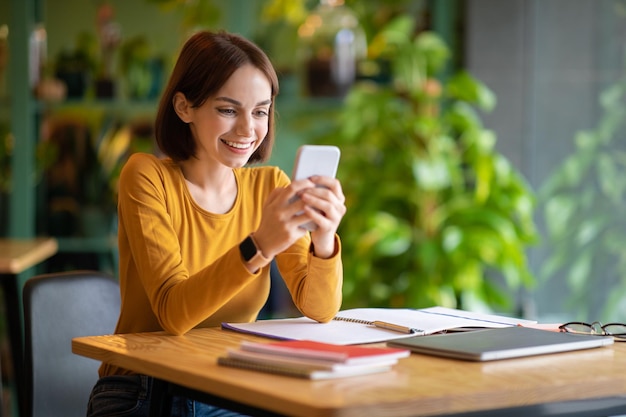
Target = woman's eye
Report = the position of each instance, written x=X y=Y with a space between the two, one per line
x=227 y=112
x=261 y=113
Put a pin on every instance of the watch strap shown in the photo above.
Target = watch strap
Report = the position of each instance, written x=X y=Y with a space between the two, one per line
x=257 y=260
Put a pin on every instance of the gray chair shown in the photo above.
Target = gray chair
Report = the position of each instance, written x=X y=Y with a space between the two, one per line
x=57 y=308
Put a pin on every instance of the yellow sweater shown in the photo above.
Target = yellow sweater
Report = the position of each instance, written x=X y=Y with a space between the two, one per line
x=180 y=266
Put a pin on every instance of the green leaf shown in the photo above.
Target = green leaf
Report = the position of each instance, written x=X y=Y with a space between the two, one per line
x=464 y=87
x=428 y=255
x=390 y=236
x=609 y=175
x=485 y=141
x=397 y=32
x=484 y=176
x=553 y=264
x=611 y=123
x=579 y=272
x=452 y=237
x=409 y=70
x=432 y=174
x=462 y=117
x=586 y=141
x=434 y=50
x=468 y=276
x=558 y=212
x=574 y=170
x=588 y=230
x=611 y=97
x=489 y=218
x=379 y=291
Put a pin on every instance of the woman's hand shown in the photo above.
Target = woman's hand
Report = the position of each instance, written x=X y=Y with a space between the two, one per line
x=324 y=205
x=288 y=209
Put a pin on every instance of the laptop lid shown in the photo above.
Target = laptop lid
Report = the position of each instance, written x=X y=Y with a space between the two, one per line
x=501 y=343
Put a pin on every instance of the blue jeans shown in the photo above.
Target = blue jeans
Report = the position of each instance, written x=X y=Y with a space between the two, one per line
x=129 y=396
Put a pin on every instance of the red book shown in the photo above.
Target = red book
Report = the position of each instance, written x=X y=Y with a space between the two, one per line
x=344 y=354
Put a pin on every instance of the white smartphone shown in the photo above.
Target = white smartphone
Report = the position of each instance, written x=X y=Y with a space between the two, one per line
x=315 y=160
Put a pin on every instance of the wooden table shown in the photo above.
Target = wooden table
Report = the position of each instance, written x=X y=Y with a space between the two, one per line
x=16 y=256
x=593 y=381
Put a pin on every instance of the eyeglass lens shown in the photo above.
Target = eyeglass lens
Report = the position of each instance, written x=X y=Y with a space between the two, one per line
x=615 y=329
x=584 y=328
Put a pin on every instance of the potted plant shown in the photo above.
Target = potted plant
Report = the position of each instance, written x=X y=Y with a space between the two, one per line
x=77 y=67
x=436 y=216
x=140 y=70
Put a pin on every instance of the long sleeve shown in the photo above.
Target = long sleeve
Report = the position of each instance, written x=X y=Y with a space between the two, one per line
x=180 y=266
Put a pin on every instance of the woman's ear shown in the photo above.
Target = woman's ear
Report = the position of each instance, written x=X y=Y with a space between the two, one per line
x=181 y=107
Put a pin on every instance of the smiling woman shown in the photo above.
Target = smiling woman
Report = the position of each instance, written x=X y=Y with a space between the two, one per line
x=198 y=228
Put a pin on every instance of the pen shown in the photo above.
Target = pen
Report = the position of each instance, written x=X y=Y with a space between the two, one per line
x=394 y=327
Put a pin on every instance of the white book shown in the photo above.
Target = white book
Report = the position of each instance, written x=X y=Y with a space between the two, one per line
x=313 y=364
x=301 y=372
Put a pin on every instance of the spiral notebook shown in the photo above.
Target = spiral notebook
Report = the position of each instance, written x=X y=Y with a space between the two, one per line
x=372 y=325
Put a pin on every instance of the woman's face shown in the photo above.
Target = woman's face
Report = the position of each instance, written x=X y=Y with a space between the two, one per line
x=231 y=125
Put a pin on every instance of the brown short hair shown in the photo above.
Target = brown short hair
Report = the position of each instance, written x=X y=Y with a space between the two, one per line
x=206 y=62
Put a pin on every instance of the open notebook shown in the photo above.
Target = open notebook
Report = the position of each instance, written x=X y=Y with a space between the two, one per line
x=503 y=343
x=356 y=326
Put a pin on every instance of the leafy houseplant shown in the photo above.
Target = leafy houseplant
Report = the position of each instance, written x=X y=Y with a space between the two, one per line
x=584 y=202
x=435 y=214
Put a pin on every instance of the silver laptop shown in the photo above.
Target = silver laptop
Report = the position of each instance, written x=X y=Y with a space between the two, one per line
x=501 y=343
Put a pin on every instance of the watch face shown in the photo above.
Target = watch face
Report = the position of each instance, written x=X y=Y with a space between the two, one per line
x=248 y=249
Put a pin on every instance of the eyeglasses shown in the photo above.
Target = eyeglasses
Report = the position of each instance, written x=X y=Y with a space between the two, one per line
x=617 y=330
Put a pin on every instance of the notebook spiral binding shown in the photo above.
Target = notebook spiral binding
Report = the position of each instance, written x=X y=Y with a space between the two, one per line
x=360 y=321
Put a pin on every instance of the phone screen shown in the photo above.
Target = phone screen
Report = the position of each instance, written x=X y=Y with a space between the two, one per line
x=316 y=160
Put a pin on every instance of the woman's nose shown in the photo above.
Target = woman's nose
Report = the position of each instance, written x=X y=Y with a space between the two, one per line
x=244 y=127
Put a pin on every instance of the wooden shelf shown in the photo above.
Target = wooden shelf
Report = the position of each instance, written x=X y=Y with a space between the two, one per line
x=124 y=109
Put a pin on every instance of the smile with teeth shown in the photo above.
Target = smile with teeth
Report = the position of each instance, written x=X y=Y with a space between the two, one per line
x=238 y=145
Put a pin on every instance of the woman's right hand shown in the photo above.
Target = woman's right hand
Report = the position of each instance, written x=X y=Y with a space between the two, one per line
x=281 y=219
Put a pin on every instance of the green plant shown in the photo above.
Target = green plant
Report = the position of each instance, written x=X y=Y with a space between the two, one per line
x=89 y=144
x=584 y=200
x=435 y=214
x=134 y=64
x=45 y=155
x=75 y=67
x=278 y=33
x=195 y=14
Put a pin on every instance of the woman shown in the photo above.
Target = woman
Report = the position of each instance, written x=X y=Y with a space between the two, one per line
x=199 y=228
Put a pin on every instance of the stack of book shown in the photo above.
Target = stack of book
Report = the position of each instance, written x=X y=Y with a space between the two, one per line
x=312 y=360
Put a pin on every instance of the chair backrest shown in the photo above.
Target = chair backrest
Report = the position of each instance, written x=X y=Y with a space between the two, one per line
x=57 y=308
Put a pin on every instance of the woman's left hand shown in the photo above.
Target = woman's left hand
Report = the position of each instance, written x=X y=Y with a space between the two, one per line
x=325 y=205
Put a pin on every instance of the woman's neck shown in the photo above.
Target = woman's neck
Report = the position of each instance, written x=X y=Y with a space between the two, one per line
x=212 y=188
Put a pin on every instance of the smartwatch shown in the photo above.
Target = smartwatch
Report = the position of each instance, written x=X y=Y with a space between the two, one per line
x=251 y=254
